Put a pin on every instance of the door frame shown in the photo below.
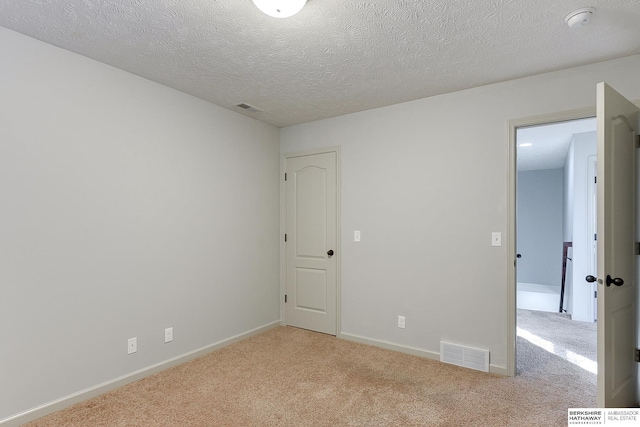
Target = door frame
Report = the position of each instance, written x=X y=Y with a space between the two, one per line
x=283 y=229
x=512 y=126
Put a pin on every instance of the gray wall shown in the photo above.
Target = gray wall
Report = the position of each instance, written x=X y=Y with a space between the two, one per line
x=539 y=226
x=127 y=207
x=426 y=182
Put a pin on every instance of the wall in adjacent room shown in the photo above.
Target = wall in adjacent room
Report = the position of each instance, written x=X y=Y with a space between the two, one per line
x=539 y=220
x=568 y=186
x=583 y=150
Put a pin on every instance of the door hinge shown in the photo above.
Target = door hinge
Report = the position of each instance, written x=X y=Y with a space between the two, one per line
x=285 y=176
x=595 y=179
x=637 y=248
x=595 y=237
x=637 y=354
x=638 y=140
x=285 y=298
x=285 y=237
x=595 y=294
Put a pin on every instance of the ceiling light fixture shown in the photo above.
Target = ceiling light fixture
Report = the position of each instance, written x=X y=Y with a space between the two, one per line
x=579 y=17
x=280 y=8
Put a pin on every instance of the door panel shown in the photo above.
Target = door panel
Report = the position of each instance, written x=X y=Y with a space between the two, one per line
x=617 y=318
x=311 y=282
x=622 y=369
x=310 y=185
x=311 y=291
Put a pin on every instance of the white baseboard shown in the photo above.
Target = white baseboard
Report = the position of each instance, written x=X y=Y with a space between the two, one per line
x=434 y=355
x=500 y=370
x=72 y=399
x=390 y=346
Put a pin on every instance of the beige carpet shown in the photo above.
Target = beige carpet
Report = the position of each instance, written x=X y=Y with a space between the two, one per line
x=292 y=377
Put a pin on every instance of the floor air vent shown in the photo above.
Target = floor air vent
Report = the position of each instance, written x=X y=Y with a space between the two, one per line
x=467 y=357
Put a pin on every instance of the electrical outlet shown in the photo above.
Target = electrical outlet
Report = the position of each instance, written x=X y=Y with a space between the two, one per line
x=356 y=235
x=401 y=322
x=168 y=335
x=132 y=345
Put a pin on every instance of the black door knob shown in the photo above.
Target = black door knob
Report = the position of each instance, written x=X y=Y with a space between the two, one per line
x=617 y=281
x=518 y=256
x=590 y=279
x=330 y=252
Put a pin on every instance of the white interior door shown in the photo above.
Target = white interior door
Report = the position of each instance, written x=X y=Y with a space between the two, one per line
x=618 y=123
x=311 y=283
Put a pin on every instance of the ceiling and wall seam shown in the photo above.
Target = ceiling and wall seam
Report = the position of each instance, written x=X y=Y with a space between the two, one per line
x=334 y=57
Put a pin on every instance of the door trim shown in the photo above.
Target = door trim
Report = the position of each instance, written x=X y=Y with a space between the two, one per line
x=512 y=126
x=283 y=228
x=592 y=209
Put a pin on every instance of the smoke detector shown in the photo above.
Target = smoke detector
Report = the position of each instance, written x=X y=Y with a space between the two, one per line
x=579 y=17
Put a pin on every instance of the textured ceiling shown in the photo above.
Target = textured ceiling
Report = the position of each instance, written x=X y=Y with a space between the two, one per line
x=336 y=56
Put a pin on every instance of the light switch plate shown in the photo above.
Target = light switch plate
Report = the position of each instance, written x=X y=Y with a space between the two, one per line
x=496 y=238
x=401 y=322
x=356 y=235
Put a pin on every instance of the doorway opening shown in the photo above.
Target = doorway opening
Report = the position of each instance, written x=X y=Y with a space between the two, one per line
x=555 y=246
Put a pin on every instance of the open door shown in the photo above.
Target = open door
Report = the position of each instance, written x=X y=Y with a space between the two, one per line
x=618 y=124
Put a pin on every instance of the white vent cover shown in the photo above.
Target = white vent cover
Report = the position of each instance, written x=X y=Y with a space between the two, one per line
x=248 y=107
x=468 y=357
